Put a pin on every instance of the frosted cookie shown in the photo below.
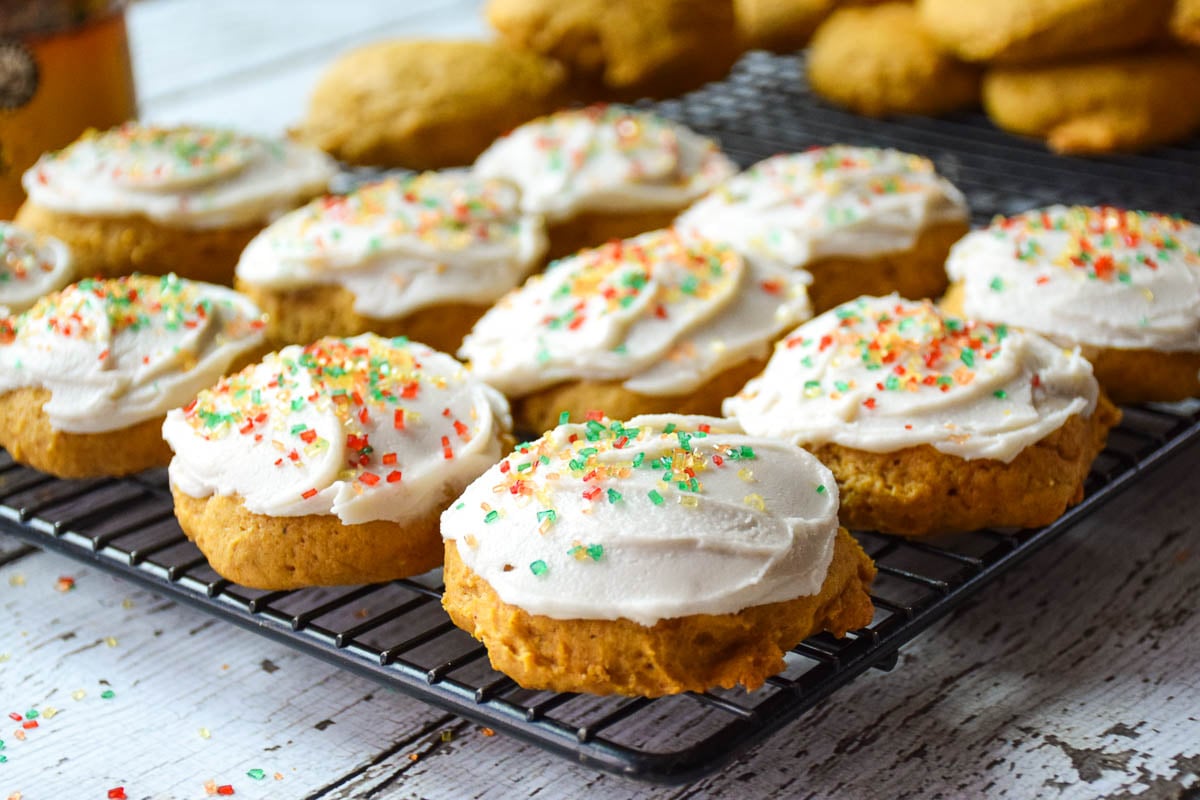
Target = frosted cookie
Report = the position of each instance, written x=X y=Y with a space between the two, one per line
x=140 y=198
x=1025 y=31
x=1101 y=104
x=31 y=266
x=625 y=49
x=1122 y=285
x=329 y=464
x=860 y=220
x=421 y=256
x=87 y=373
x=427 y=104
x=878 y=60
x=930 y=423
x=604 y=172
x=660 y=555
x=651 y=324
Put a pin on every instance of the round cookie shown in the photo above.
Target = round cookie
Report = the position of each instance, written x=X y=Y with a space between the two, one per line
x=141 y=198
x=1185 y=21
x=656 y=556
x=604 y=172
x=87 y=373
x=329 y=464
x=878 y=60
x=427 y=104
x=932 y=424
x=858 y=219
x=625 y=49
x=655 y=323
x=781 y=26
x=421 y=256
x=31 y=266
x=1119 y=102
x=1026 y=31
x=1122 y=285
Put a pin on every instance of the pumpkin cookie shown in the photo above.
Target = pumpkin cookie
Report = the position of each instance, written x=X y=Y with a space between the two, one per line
x=1122 y=285
x=604 y=172
x=31 y=265
x=1026 y=31
x=330 y=464
x=583 y=568
x=625 y=49
x=1121 y=102
x=878 y=60
x=858 y=219
x=87 y=374
x=655 y=323
x=421 y=256
x=932 y=424
x=427 y=104
x=142 y=198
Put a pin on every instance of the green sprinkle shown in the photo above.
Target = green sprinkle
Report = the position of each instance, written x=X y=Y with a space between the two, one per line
x=638 y=459
x=685 y=441
x=892 y=383
x=525 y=466
x=3 y=759
x=547 y=514
x=1000 y=394
x=539 y=567
x=655 y=497
x=820 y=488
x=841 y=386
x=613 y=496
x=459 y=506
x=31 y=714
x=968 y=357
x=545 y=459
x=256 y=774
x=491 y=516
x=297 y=403
x=108 y=694
x=595 y=551
x=299 y=427
x=564 y=417
x=670 y=428
x=996 y=284
x=747 y=451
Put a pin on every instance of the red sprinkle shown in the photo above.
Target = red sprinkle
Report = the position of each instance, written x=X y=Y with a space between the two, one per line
x=29 y=724
x=226 y=789
x=309 y=494
x=308 y=436
x=369 y=478
x=117 y=794
x=394 y=476
x=398 y=419
x=869 y=402
x=388 y=459
x=447 y=453
x=462 y=430
x=592 y=493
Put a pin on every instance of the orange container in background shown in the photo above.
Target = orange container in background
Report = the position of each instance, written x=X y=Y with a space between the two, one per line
x=64 y=68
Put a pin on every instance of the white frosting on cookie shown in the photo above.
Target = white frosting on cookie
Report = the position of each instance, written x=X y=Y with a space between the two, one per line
x=883 y=373
x=830 y=201
x=656 y=518
x=403 y=244
x=31 y=265
x=1102 y=277
x=660 y=312
x=116 y=352
x=605 y=158
x=182 y=177
x=363 y=429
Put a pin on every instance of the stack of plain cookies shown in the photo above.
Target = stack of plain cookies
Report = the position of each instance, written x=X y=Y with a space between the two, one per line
x=1090 y=76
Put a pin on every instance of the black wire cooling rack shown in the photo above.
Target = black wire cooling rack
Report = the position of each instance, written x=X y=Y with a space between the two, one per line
x=397 y=633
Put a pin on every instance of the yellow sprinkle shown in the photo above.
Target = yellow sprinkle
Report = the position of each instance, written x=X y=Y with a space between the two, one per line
x=49 y=712
x=471 y=541
x=1149 y=295
x=5 y=657
x=111 y=641
x=205 y=733
x=78 y=694
x=688 y=501
x=746 y=474
x=127 y=603
x=17 y=580
x=755 y=501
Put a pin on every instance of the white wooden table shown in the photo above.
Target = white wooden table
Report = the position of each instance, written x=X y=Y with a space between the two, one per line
x=1073 y=677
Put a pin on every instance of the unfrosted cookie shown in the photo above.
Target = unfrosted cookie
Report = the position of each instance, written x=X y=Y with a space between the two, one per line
x=1026 y=31
x=625 y=49
x=657 y=323
x=858 y=219
x=1185 y=21
x=1123 y=285
x=878 y=60
x=1119 y=102
x=31 y=265
x=330 y=464
x=782 y=26
x=660 y=555
x=87 y=373
x=932 y=424
x=427 y=104
x=421 y=256
x=604 y=172
x=183 y=200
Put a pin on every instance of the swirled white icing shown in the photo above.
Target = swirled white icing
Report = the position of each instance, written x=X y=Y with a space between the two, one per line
x=883 y=373
x=660 y=312
x=830 y=201
x=31 y=265
x=116 y=352
x=362 y=429
x=656 y=518
x=402 y=244
x=181 y=176
x=1102 y=277
x=605 y=158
